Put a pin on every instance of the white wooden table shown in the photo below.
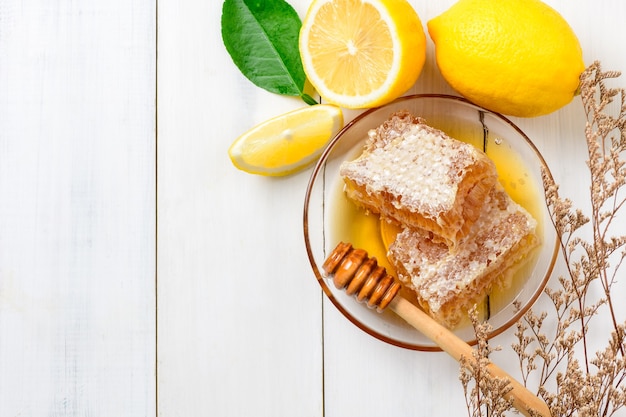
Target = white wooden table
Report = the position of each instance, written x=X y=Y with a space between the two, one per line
x=141 y=274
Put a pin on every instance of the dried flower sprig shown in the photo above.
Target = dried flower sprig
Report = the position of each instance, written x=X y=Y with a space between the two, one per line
x=484 y=394
x=585 y=383
x=555 y=350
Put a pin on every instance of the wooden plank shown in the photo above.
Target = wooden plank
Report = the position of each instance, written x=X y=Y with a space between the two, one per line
x=77 y=211
x=239 y=312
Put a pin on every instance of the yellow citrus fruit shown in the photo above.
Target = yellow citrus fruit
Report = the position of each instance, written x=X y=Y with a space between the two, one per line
x=286 y=143
x=516 y=57
x=362 y=53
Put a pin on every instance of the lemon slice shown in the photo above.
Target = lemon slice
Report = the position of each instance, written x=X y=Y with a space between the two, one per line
x=360 y=54
x=286 y=143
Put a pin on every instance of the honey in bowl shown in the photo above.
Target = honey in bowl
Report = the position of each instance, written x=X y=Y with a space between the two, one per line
x=368 y=231
x=329 y=217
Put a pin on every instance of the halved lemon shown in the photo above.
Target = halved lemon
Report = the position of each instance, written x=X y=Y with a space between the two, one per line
x=362 y=53
x=286 y=143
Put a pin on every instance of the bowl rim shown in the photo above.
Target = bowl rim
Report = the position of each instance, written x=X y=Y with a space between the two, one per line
x=322 y=280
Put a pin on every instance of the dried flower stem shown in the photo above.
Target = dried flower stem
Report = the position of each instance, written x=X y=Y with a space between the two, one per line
x=594 y=387
x=555 y=354
x=487 y=394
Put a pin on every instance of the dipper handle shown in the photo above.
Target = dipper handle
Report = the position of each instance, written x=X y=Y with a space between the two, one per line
x=361 y=276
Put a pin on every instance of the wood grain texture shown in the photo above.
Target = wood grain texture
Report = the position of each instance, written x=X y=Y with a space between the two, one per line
x=77 y=211
x=239 y=317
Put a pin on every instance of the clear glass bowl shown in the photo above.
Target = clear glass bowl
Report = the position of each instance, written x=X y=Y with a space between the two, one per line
x=330 y=218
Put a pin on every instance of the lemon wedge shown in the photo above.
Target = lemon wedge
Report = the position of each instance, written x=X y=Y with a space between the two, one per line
x=287 y=143
x=360 y=54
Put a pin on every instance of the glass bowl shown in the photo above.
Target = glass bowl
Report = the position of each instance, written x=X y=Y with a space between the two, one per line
x=330 y=218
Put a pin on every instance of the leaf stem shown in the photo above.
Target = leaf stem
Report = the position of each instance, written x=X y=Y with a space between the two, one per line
x=308 y=99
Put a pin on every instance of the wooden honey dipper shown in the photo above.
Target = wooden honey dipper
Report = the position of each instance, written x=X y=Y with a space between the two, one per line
x=361 y=276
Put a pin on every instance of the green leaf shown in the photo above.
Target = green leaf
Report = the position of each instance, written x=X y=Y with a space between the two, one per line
x=261 y=37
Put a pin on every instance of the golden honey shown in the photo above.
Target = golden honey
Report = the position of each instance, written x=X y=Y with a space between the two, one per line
x=365 y=230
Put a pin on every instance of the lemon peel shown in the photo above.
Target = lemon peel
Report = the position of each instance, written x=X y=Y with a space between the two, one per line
x=515 y=57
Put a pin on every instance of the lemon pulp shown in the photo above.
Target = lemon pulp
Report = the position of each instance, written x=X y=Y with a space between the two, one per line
x=361 y=54
x=287 y=143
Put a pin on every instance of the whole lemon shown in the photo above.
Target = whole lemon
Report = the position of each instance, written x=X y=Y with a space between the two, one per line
x=515 y=57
